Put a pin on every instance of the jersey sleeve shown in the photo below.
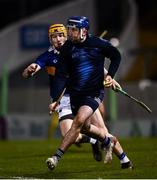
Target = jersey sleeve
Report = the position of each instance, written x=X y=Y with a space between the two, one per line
x=42 y=60
x=113 y=54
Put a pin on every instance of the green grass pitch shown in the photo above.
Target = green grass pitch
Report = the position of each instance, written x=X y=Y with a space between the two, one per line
x=26 y=159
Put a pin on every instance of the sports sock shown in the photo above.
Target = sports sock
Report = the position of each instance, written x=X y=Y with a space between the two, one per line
x=84 y=139
x=59 y=153
x=106 y=141
x=123 y=158
x=93 y=141
x=87 y=139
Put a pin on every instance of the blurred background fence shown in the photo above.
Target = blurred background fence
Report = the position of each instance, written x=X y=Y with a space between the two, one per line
x=24 y=103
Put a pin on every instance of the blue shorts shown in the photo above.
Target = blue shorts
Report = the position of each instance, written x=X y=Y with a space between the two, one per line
x=92 y=101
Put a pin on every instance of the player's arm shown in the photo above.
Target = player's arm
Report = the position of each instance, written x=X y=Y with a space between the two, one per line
x=31 y=70
x=113 y=54
x=38 y=64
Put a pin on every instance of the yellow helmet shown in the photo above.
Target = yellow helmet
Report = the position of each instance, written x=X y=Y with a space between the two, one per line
x=57 y=28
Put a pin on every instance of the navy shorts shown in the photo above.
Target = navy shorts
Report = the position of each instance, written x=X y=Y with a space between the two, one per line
x=92 y=101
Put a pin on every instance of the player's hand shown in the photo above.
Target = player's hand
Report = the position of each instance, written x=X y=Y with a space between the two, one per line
x=52 y=107
x=30 y=70
x=108 y=82
x=116 y=85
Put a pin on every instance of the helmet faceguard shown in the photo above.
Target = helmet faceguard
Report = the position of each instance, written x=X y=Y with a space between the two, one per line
x=57 y=28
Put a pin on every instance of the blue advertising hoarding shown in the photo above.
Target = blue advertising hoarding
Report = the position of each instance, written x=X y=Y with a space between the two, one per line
x=34 y=36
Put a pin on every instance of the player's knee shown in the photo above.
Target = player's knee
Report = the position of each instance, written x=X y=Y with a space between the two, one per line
x=76 y=126
x=81 y=117
x=79 y=121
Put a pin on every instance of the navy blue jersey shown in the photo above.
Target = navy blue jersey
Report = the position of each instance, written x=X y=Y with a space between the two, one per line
x=84 y=63
x=49 y=60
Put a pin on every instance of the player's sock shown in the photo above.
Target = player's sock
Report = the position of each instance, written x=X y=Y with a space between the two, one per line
x=84 y=139
x=123 y=158
x=87 y=139
x=106 y=141
x=59 y=153
x=93 y=141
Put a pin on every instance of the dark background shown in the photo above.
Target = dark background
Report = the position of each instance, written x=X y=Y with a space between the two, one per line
x=15 y=10
x=110 y=15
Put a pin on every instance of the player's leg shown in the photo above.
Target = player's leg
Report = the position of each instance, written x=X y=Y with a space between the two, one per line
x=97 y=126
x=65 y=125
x=65 y=122
x=97 y=120
x=83 y=114
x=82 y=121
x=119 y=152
x=117 y=149
x=96 y=149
